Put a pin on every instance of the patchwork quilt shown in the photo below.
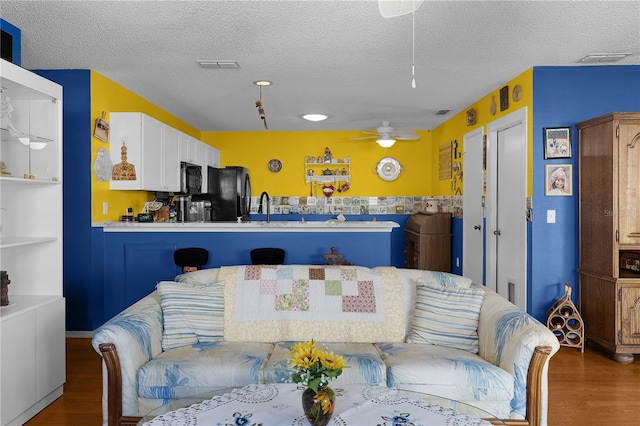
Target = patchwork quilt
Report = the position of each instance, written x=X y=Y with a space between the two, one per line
x=267 y=303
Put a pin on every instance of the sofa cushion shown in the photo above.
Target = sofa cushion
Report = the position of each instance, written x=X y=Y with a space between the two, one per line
x=449 y=373
x=191 y=313
x=446 y=316
x=364 y=365
x=203 y=367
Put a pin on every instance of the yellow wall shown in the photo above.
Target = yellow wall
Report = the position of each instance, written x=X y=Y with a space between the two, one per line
x=109 y=96
x=254 y=150
x=456 y=127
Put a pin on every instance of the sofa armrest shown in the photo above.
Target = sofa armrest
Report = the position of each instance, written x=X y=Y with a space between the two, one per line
x=518 y=343
x=126 y=342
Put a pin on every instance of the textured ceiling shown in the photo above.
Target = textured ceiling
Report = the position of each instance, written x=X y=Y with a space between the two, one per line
x=341 y=58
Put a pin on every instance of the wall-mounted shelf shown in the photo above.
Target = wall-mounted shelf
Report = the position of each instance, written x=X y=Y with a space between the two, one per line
x=334 y=171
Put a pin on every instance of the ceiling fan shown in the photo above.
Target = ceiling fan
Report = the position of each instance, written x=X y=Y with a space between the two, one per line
x=386 y=135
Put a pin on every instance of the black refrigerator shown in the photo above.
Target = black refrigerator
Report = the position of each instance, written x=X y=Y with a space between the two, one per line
x=230 y=193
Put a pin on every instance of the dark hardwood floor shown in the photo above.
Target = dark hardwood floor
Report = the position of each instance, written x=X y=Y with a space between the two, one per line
x=585 y=389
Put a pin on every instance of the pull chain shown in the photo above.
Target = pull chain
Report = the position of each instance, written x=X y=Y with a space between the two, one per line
x=413 y=59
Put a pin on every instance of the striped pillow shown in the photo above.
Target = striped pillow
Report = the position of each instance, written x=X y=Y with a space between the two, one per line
x=191 y=313
x=446 y=316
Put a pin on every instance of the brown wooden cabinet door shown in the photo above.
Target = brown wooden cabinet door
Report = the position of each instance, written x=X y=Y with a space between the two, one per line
x=630 y=310
x=629 y=182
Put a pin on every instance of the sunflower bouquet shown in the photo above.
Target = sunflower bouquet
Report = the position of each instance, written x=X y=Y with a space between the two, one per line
x=314 y=367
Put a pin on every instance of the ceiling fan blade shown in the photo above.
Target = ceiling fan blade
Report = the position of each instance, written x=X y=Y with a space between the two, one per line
x=405 y=135
x=364 y=137
x=394 y=8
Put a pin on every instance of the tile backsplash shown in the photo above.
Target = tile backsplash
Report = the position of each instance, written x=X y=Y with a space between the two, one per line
x=361 y=205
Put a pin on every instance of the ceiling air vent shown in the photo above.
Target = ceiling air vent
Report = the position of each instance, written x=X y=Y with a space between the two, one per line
x=443 y=112
x=217 y=63
x=604 y=57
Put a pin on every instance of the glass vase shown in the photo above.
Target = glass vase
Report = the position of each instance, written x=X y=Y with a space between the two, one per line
x=318 y=407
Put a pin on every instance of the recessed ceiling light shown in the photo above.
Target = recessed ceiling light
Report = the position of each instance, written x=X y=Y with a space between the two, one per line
x=315 y=117
x=604 y=57
x=262 y=83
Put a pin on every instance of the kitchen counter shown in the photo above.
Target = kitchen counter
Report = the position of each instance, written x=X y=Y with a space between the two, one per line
x=260 y=226
x=139 y=255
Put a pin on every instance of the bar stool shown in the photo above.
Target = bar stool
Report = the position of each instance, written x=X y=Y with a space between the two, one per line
x=267 y=256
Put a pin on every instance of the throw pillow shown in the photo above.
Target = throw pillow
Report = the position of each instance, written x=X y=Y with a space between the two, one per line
x=446 y=316
x=445 y=279
x=191 y=313
x=202 y=276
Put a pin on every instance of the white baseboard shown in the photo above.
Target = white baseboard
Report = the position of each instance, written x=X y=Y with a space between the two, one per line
x=79 y=334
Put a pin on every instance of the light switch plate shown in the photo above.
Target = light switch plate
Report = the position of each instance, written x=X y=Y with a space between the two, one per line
x=551 y=216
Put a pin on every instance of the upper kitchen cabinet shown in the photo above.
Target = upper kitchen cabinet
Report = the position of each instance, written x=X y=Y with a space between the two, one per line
x=170 y=179
x=192 y=150
x=143 y=152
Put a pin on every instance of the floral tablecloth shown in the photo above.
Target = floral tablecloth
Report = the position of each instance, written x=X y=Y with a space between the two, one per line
x=280 y=404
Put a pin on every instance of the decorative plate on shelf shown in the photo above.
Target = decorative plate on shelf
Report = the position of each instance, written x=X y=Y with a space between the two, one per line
x=388 y=169
x=274 y=165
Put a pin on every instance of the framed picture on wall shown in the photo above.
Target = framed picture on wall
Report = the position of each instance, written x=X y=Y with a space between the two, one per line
x=558 y=180
x=557 y=142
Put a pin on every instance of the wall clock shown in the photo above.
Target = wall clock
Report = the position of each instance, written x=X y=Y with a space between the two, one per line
x=274 y=165
x=388 y=169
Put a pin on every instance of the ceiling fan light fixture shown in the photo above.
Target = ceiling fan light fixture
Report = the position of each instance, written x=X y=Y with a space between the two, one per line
x=315 y=117
x=385 y=142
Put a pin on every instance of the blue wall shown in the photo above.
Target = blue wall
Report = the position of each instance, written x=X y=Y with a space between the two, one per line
x=564 y=96
x=82 y=260
x=16 y=43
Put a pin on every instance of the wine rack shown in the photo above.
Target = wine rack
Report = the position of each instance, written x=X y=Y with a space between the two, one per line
x=564 y=320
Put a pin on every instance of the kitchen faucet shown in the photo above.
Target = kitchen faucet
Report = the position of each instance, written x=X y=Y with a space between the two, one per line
x=268 y=206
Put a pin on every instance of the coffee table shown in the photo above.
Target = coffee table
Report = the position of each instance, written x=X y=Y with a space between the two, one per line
x=277 y=404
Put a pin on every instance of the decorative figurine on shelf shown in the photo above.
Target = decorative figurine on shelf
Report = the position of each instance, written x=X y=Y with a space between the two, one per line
x=3 y=169
x=123 y=170
x=4 y=288
x=327 y=155
x=5 y=116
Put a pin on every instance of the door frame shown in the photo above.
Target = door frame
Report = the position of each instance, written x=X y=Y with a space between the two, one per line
x=510 y=120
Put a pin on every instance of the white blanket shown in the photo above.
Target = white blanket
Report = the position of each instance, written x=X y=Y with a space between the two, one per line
x=301 y=302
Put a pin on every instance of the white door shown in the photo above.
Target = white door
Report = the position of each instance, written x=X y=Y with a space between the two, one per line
x=473 y=208
x=506 y=201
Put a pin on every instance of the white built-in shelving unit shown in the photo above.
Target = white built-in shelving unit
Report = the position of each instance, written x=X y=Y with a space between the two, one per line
x=32 y=325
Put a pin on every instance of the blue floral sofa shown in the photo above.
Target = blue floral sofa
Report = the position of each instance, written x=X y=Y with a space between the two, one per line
x=425 y=331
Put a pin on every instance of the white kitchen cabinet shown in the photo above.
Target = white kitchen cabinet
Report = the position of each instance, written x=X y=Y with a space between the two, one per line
x=170 y=179
x=136 y=151
x=188 y=148
x=212 y=156
x=192 y=150
x=212 y=159
x=32 y=325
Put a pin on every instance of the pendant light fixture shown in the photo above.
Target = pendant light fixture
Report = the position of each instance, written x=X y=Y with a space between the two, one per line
x=261 y=113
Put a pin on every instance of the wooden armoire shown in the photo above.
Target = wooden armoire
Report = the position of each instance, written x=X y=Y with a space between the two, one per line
x=609 y=209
